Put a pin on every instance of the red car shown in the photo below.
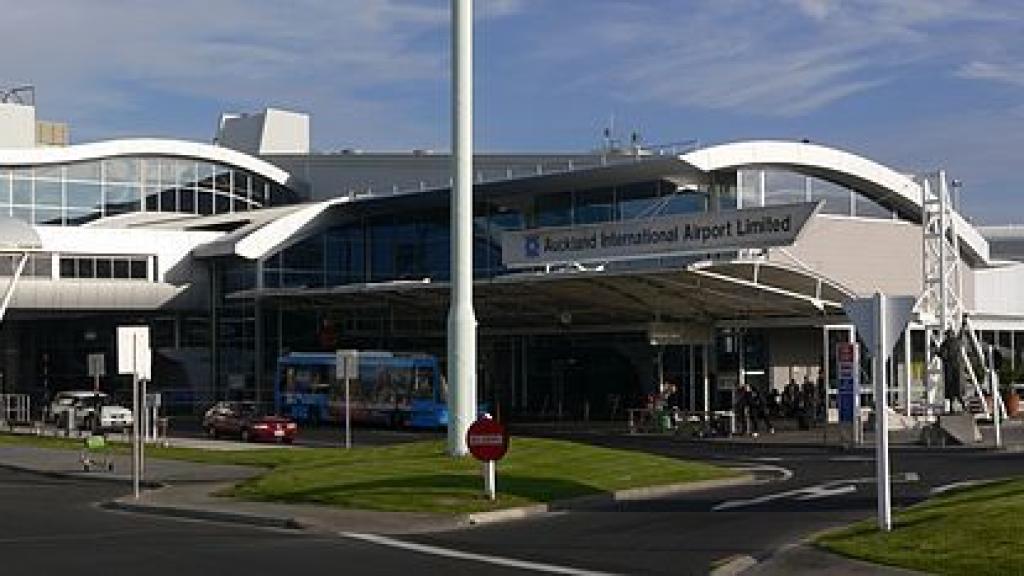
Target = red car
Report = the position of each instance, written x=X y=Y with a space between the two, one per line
x=242 y=420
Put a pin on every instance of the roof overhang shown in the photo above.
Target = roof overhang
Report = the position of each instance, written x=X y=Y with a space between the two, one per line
x=142 y=147
x=590 y=300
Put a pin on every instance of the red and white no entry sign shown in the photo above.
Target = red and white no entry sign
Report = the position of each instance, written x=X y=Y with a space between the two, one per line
x=487 y=440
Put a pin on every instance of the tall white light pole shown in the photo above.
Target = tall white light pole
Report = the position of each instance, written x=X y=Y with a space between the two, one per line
x=461 y=319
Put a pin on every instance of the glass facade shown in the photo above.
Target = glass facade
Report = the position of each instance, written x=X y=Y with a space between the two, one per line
x=75 y=193
x=414 y=245
x=787 y=188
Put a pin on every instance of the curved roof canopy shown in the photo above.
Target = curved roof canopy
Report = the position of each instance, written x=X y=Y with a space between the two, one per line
x=142 y=147
x=883 y=185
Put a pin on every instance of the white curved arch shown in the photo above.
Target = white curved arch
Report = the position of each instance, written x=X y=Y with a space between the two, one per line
x=142 y=147
x=883 y=185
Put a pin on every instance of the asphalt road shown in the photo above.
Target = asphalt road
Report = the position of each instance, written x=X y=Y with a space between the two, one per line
x=53 y=526
x=687 y=534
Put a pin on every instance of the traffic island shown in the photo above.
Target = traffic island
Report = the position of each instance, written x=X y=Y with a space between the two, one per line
x=973 y=531
x=421 y=477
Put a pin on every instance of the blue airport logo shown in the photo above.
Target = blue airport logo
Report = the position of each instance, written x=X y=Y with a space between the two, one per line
x=532 y=246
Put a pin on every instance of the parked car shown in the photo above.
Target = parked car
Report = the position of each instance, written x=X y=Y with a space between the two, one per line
x=243 y=420
x=93 y=410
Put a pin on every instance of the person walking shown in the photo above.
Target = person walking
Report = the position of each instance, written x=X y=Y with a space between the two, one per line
x=759 y=412
x=741 y=408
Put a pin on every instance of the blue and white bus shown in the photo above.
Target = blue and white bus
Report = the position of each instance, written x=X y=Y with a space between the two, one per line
x=394 y=389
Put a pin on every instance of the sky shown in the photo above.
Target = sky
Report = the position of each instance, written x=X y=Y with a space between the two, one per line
x=914 y=84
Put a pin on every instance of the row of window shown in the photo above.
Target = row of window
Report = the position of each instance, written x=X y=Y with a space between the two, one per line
x=78 y=267
x=105 y=267
x=76 y=193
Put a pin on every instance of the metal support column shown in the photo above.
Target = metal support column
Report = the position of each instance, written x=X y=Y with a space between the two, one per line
x=705 y=378
x=908 y=371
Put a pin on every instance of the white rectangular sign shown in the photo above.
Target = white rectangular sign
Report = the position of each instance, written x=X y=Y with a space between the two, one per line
x=133 y=354
x=97 y=365
x=657 y=236
x=346 y=364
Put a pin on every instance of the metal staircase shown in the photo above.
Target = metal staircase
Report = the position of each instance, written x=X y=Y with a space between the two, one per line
x=941 y=307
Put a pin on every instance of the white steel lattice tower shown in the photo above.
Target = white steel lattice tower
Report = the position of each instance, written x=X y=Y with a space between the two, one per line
x=940 y=307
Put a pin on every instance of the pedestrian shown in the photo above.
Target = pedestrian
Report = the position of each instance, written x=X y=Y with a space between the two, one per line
x=774 y=405
x=822 y=395
x=789 y=398
x=759 y=411
x=808 y=406
x=741 y=408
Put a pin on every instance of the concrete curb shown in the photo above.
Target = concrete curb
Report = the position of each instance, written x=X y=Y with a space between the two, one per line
x=190 y=513
x=128 y=504
x=592 y=501
x=90 y=476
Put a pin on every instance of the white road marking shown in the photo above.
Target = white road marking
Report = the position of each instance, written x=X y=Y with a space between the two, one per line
x=730 y=504
x=768 y=459
x=784 y=473
x=819 y=492
x=955 y=485
x=470 y=556
x=815 y=492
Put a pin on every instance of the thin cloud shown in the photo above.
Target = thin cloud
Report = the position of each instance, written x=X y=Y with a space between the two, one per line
x=93 y=61
x=1005 y=73
x=782 y=58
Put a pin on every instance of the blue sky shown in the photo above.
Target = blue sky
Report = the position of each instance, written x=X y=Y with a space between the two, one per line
x=915 y=84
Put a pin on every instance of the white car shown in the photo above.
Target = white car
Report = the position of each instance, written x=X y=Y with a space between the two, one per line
x=86 y=404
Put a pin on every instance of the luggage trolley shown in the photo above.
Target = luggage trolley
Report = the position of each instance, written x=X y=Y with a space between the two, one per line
x=96 y=454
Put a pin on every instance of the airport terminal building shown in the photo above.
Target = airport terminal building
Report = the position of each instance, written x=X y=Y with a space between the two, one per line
x=600 y=276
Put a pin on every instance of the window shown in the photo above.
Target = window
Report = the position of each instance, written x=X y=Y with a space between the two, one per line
x=103 y=268
x=86 y=268
x=67 y=268
x=553 y=210
x=138 y=269
x=22 y=188
x=596 y=205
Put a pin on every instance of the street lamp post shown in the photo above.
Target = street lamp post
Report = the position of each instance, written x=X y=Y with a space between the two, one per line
x=461 y=318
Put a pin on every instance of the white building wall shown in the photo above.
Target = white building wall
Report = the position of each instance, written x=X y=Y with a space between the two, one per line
x=272 y=131
x=171 y=247
x=997 y=290
x=17 y=126
x=178 y=282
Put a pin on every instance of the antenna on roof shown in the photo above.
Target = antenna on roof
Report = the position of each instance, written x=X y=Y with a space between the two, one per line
x=610 y=141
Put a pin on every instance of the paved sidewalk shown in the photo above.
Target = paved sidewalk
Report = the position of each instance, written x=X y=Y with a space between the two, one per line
x=804 y=559
x=68 y=463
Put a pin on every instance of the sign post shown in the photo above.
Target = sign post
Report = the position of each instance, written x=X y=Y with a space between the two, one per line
x=488 y=442
x=346 y=368
x=877 y=319
x=97 y=369
x=133 y=357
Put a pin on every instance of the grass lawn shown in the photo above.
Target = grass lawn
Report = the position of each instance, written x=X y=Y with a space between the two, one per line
x=975 y=531
x=419 y=476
